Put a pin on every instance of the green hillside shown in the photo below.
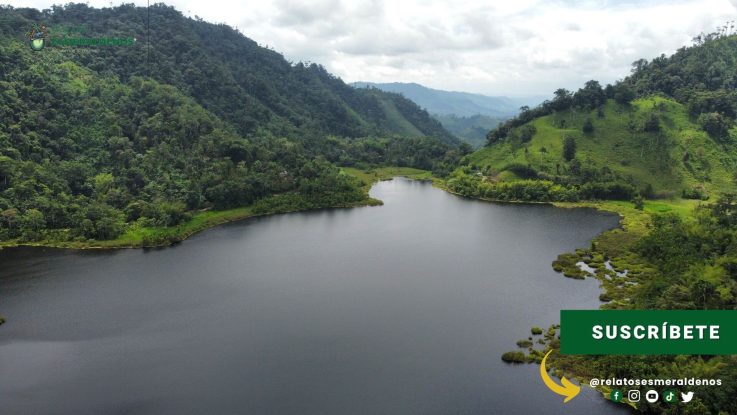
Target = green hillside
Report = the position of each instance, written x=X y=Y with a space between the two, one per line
x=679 y=156
x=665 y=131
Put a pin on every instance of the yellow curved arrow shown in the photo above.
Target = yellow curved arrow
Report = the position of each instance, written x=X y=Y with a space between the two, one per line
x=569 y=390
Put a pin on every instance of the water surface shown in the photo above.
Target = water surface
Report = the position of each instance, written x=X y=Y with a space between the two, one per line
x=399 y=309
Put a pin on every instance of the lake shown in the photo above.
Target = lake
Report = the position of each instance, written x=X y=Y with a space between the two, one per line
x=404 y=308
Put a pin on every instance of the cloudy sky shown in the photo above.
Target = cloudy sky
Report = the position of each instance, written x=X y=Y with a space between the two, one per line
x=515 y=48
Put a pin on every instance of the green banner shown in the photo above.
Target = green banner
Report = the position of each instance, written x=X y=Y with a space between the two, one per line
x=648 y=332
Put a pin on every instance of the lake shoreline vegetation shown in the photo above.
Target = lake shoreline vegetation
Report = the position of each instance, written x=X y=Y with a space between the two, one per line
x=137 y=236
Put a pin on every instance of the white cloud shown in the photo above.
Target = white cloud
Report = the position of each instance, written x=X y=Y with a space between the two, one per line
x=522 y=47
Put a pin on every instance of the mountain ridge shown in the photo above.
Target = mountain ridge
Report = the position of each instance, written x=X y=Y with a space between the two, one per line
x=442 y=102
x=248 y=86
x=467 y=115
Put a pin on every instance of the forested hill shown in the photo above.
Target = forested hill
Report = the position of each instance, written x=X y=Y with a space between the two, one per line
x=108 y=143
x=248 y=86
x=703 y=76
x=666 y=130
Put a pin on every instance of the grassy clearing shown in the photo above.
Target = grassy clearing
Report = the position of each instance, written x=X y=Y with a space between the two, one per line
x=634 y=220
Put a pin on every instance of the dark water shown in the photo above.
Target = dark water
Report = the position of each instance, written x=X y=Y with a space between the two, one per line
x=399 y=309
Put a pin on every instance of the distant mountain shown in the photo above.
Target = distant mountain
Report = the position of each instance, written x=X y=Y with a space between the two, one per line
x=462 y=104
x=471 y=129
x=466 y=115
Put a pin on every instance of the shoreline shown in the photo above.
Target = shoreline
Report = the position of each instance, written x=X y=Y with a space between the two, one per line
x=135 y=238
x=228 y=216
x=631 y=220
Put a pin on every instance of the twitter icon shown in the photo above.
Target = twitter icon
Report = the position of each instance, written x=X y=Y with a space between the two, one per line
x=686 y=397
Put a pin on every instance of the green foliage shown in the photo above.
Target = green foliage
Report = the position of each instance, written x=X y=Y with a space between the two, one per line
x=696 y=193
x=522 y=190
x=521 y=170
x=568 y=265
x=719 y=101
x=715 y=124
x=526 y=132
x=638 y=202
x=569 y=148
x=588 y=126
x=651 y=124
x=590 y=96
x=514 y=357
x=524 y=343
x=623 y=94
x=678 y=259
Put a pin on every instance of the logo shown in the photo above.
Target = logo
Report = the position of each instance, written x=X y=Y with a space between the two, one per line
x=651 y=396
x=670 y=396
x=633 y=395
x=37 y=36
x=686 y=397
x=616 y=395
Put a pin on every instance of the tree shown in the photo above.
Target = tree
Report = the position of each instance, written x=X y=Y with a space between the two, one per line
x=623 y=93
x=652 y=124
x=465 y=148
x=638 y=202
x=542 y=151
x=33 y=219
x=721 y=101
x=563 y=99
x=715 y=124
x=497 y=134
x=32 y=223
x=592 y=95
x=9 y=217
x=6 y=170
x=569 y=148
x=638 y=66
x=526 y=132
x=588 y=126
